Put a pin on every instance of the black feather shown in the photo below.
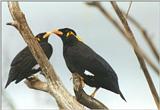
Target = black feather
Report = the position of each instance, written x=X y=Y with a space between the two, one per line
x=23 y=63
x=79 y=58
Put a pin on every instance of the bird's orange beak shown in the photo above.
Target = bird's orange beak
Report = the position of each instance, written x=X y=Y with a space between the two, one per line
x=57 y=32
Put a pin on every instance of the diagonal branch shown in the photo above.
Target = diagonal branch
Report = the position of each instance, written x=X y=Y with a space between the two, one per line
x=130 y=4
x=56 y=88
x=53 y=86
x=130 y=36
x=146 y=37
x=142 y=63
x=83 y=98
x=121 y=30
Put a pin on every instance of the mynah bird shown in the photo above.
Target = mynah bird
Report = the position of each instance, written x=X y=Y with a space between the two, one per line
x=24 y=64
x=80 y=58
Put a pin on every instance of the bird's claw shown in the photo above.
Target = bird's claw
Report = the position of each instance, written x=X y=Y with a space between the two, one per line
x=82 y=82
x=42 y=73
x=92 y=95
x=94 y=92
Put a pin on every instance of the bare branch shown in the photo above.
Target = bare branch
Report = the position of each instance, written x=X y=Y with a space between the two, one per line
x=130 y=35
x=83 y=98
x=146 y=37
x=56 y=88
x=15 y=24
x=35 y=83
x=142 y=63
x=121 y=30
x=53 y=86
x=128 y=9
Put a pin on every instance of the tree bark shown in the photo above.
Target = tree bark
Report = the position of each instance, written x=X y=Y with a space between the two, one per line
x=145 y=36
x=53 y=86
x=118 y=26
x=140 y=54
x=83 y=98
x=130 y=36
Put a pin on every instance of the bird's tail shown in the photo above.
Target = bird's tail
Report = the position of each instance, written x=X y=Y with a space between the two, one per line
x=10 y=77
x=122 y=96
x=8 y=82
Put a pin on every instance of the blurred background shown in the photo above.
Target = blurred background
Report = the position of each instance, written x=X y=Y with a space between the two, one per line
x=95 y=31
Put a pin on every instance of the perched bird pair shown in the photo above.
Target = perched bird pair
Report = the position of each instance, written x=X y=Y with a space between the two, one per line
x=78 y=57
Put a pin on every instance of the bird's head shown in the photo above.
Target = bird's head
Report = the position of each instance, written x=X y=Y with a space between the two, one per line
x=43 y=37
x=67 y=35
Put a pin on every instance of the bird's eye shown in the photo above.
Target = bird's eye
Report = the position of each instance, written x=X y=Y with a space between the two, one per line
x=70 y=33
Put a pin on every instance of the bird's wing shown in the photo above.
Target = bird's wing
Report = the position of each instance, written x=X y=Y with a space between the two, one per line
x=87 y=59
x=25 y=53
x=20 y=56
x=24 y=60
x=23 y=64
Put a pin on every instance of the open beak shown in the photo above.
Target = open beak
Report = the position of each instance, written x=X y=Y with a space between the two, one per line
x=47 y=35
x=57 y=32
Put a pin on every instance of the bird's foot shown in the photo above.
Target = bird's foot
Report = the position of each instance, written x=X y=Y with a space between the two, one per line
x=78 y=81
x=82 y=82
x=42 y=73
x=94 y=92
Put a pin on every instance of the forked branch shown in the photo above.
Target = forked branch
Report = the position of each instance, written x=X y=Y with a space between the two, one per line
x=139 y=53
x=83 y=98
x=122 y=31
x=146 y=37
x=53 y=86
x=131 y=37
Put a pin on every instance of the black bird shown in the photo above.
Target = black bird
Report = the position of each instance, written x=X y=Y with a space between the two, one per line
x=23 y=65
x=79 y=57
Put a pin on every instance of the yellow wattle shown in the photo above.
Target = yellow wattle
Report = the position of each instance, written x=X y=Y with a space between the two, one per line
x=79 y=39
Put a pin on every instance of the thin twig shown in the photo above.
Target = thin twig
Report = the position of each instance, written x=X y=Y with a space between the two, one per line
x=130 y=35
x=121 y=30
x=35 y=83
x=146 y=37
x=55 y=86
x=130 y=4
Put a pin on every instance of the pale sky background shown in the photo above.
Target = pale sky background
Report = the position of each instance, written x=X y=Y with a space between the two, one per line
x=100 y=35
